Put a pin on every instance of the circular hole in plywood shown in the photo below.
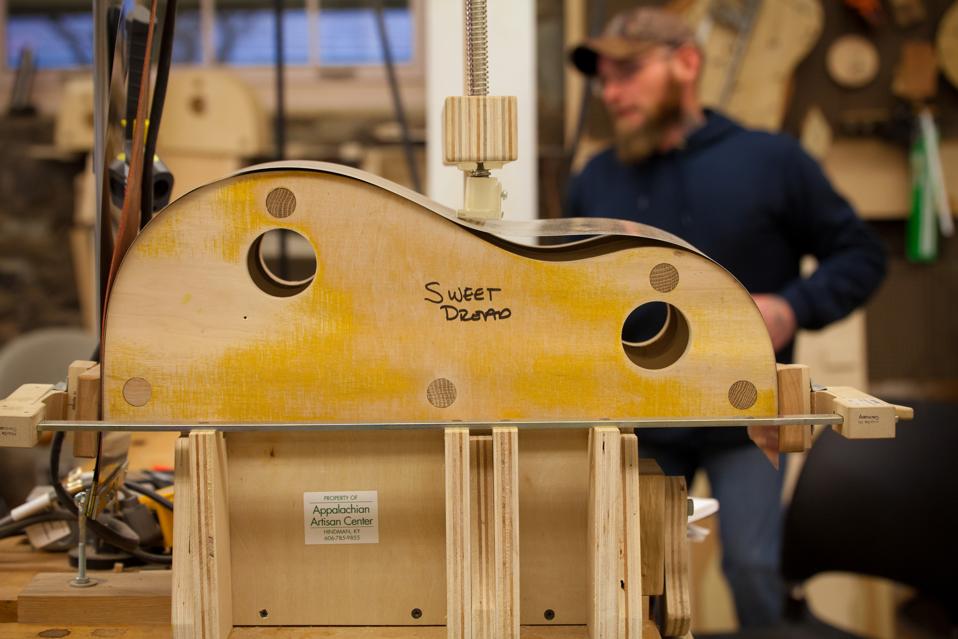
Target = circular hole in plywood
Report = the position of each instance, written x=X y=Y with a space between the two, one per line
x=742 y=394
x=441 y=393
x=655 y=335
x=137 y=391
x=282 y=263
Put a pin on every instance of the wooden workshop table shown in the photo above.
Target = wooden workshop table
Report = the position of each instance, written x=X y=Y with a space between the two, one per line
x=24 y=631
x=20 y=564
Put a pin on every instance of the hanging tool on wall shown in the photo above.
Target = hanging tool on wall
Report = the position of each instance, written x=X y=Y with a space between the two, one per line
x=21 y=99
x=751 y=50
x=741 y=20
x=930 y=212
x=916 y=82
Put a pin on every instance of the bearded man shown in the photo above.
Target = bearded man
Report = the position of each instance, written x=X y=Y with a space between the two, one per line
x=756 y=203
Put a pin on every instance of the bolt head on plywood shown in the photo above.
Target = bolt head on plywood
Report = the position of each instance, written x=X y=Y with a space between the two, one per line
x=742 y=394
x=281 y=202
x=441 y=393
x=137 y=391
x=664 y=277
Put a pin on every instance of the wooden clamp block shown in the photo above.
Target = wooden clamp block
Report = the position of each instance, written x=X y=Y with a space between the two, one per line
x=652 y=516
x=183 y=615
x=604 y=531
x=631 y=609
x=83 y=392
x=202 y=596
x=482 y=534
x=677 y=604
x=865 y=417
x=794 y=398
x=24 y=409
x=505 y=459
x=125 y=598
x=458 y=529
x=480 y=129
x=482 y=545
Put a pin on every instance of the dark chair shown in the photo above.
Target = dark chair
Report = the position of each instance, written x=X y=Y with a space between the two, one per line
x=885 y=508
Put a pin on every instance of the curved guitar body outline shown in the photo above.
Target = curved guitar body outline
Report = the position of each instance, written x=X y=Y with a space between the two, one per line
x=415 y=315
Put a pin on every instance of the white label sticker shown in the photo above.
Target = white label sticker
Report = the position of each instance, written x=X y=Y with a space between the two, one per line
x=342 y=517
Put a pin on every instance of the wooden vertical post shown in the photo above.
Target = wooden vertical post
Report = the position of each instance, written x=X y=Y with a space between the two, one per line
x=505 y=446
x=677 y=608
x=794 y=398
x=183 y=611
x=83 y=393
x=458 y=560
x=631 y=594
x=652 y=517
x=203 y=606
x=494 y=527
x=482 y=513
x=604 y=531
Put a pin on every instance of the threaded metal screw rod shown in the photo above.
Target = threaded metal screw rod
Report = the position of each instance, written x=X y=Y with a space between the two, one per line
x=477 y=48
x=81 y=580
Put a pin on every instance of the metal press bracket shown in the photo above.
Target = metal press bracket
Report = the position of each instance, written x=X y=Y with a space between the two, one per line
x=240 y=427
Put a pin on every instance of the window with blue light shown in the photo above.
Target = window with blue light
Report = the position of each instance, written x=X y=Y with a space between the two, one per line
x=248 y=36
x=60 y=35
x=351 y=36
x=348 y=35
x=187 y=41
x=59 y=40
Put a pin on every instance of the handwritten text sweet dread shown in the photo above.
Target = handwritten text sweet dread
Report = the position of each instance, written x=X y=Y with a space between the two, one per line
x=454 y=303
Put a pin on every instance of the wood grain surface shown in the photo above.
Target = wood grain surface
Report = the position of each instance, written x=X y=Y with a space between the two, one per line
x=403 y=297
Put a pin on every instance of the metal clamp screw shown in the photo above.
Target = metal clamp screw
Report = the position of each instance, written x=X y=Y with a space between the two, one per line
x=81 y=580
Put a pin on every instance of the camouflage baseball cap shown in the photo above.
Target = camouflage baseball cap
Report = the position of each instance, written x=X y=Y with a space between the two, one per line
x=631 y=33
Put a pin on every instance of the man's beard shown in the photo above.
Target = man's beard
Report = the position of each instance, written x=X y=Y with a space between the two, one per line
x=640 y=142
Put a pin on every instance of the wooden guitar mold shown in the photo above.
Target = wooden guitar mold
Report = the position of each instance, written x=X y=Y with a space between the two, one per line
x=414 y=315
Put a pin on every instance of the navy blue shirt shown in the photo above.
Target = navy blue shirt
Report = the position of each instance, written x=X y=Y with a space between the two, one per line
x=754 y=202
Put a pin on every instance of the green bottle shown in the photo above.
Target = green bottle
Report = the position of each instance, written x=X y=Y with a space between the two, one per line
x=921 y=238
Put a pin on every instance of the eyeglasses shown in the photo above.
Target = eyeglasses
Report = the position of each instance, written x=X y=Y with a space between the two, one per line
x=619 y=72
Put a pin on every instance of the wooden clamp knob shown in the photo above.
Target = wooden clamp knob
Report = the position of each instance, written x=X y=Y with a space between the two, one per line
x=480 y=129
